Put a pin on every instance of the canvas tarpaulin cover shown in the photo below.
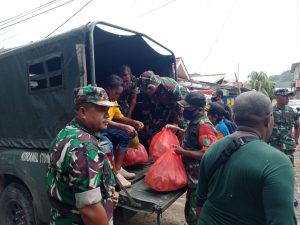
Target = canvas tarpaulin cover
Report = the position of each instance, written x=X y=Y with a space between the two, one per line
x=31 y=118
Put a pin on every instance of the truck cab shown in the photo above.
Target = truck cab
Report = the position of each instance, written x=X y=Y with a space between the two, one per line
x=37 y=82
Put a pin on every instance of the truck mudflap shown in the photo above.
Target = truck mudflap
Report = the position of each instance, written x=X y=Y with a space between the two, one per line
x=144 y=199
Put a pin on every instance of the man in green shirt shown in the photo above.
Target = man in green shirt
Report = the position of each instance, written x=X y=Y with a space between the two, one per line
x=255 y=186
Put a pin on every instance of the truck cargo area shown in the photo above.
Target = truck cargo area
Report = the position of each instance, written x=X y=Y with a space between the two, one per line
x=145 y=199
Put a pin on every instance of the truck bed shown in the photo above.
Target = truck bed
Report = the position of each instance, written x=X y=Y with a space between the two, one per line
x=147 y=199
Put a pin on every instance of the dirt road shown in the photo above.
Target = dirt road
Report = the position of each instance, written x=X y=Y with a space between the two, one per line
x=174 y=215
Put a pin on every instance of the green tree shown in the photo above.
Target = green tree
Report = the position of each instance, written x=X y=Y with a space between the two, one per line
x=260 y=82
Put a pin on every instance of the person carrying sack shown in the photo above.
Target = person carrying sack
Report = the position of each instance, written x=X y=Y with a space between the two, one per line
x=198 y=136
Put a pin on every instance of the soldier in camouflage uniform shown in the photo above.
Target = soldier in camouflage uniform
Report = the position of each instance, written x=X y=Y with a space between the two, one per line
x=80 y=180
x=160 y=105
x=285 y=119
x=198 y=136
x=127 y=100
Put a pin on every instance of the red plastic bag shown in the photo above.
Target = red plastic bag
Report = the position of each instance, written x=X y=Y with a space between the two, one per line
x=162 y=142
x=136 y=156
x=167 y=173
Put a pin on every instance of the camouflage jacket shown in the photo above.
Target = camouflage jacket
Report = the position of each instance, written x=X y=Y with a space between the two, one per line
x=282 y=135
x=126 y=96
x=169 y=91
x=199 y=135
x=162 y=107
x=79 y=175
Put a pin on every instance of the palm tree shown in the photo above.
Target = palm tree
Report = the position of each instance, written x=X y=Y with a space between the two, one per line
x=260 y=82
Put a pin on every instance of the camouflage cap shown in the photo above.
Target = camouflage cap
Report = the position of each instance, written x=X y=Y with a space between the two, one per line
x=283 y=92
x=92 y=94
x=148 y=79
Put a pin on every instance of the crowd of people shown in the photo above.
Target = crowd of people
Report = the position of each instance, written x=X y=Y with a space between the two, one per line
x=239 y=161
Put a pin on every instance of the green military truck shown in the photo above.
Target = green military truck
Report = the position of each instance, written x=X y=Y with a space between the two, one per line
x=37 y=82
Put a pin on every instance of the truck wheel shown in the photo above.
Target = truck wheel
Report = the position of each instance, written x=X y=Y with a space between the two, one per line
x=16 y=206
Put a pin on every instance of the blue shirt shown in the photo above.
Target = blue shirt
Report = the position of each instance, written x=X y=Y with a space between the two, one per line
x=222 y=128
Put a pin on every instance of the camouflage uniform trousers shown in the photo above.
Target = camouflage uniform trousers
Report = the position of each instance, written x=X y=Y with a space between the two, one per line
x=190 y=207
x=160 y=115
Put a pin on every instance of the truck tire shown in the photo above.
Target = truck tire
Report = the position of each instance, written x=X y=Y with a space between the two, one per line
x=16 y=206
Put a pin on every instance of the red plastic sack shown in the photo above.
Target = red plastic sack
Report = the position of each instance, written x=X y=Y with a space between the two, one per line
x=136 y=156
x=167 y=173
x=162 y=142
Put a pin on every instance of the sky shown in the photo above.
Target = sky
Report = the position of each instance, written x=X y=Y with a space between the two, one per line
x=211 y=36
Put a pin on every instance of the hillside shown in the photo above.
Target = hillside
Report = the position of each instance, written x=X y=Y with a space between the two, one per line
x=283 y=80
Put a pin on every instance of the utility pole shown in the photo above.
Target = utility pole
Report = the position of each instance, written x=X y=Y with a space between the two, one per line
x=237 y=76
x=238 y=72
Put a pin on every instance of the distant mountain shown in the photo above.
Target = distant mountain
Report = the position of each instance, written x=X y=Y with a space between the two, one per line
x=283 y=80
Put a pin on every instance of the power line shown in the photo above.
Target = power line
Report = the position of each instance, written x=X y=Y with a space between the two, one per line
x=155 y=9
x=23 y=14
x=10 y=37
x=217 y=38
x=4 y=32
x=27 y=11
x=70 y=18
x=36 y=15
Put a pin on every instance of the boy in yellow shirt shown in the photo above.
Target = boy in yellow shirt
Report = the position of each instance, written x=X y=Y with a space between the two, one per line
x=121 y=130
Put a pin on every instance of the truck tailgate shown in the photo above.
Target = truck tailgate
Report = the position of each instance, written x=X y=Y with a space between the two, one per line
x=148 y=200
